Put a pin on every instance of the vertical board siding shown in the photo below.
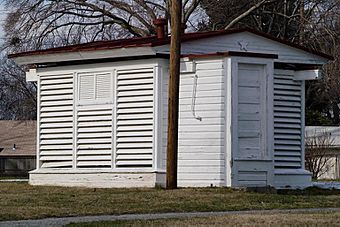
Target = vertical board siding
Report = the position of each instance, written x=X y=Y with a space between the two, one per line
x=164 y=116
x=134 y=123
x=56 y=121
x=201 y=154
x=94 y=137
x=287 y=120
x=251 y=108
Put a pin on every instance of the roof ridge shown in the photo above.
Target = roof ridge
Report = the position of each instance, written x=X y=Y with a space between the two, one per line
x=154 y=41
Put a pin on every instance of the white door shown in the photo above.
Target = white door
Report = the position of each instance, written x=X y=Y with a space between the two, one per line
x=251 y=111
x=252 y=153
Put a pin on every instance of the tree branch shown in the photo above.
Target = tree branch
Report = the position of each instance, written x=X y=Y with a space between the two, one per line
x=246 y=13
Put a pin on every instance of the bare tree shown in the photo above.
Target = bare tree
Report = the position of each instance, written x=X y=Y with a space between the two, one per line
x=39 y=24
x=324 y=95
x=48 y=23
x=317 y=152
x=17 y=97
x=282 y=18
x=313 y=23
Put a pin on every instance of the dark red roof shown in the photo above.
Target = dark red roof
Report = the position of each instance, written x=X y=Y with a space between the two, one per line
x=154 y=41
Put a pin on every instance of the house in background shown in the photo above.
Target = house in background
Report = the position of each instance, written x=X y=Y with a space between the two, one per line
x=17 y=147
x=102 y=111
x=332 y=168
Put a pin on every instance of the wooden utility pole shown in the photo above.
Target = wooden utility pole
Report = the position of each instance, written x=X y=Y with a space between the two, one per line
x=175 y=52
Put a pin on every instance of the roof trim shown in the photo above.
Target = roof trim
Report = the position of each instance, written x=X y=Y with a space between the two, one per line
x=152 y=41
x=101 y=60
x=201 y=35
x=231 y=54
x=92 y=46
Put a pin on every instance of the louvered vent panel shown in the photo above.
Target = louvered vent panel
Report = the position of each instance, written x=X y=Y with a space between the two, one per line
x=86 y=87
x=134 y=118
x=56 y=121
x=287 y=121
x=103 y=86
x=94 y=137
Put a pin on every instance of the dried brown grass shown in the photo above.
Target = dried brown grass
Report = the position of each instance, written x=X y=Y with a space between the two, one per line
x=22 y=201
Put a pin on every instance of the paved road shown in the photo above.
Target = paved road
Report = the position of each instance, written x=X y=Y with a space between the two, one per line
x=54 y=222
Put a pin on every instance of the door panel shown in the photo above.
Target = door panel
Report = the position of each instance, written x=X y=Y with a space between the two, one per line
x=252 y=163
x=251 y=95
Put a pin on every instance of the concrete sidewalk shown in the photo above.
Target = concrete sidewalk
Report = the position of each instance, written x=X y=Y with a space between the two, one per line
x=66 y=220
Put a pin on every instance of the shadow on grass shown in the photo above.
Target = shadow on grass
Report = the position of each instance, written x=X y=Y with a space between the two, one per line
x=309 y=191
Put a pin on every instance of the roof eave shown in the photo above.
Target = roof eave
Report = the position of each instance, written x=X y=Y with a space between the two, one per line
x=82 y=55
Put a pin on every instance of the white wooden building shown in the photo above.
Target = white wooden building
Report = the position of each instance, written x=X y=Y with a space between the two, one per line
x=102 y=111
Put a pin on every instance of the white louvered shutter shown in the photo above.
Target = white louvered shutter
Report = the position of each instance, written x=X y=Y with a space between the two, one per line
x=103 y=86
x=134 y=123
x=95 y=121
x=56 y=121
x=86 y=87
x=287 y=120
x=94 y=137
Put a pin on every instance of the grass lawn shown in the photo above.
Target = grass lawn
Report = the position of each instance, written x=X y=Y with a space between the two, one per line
x=286 y=219
x=22 y=201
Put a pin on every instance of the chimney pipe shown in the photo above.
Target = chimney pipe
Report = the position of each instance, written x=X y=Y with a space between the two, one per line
x=160 y=27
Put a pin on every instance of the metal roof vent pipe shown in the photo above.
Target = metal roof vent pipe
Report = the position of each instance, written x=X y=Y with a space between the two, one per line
x=160 y=24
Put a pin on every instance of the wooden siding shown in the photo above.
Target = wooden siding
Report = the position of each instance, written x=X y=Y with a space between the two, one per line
x=201 y=152
x=100 y=118
x=252 y=122
x=135 y=102
x=94 y=136
x=56 y=121
x=246 y=42
x=288 y=109
x=251 y=109
x=94 y=120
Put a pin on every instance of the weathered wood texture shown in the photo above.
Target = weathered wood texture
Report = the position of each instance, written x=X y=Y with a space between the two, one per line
x=252 y=111
x=252 y=43
x=201 y=153
x=288 y=125
x=107 y=121
x=252 y=123
x=173 y=98
x=97 y=179
x=97 y=119
x=55 y=123
x=134 y=118
x=94 y=137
